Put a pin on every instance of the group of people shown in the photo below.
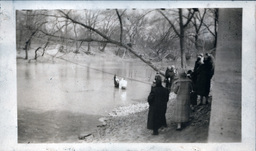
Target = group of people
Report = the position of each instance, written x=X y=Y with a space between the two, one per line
x=187 y=85
x=201 y=76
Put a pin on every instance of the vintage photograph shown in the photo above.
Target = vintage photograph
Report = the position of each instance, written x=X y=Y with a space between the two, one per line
x=164 y=75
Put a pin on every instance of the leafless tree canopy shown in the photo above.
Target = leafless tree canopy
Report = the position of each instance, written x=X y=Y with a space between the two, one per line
x=152 y=34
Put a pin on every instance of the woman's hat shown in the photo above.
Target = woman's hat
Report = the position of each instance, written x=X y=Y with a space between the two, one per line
x=200 y=55
x=158 y=79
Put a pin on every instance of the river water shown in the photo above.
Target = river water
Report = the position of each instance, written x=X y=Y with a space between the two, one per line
x=59 y=101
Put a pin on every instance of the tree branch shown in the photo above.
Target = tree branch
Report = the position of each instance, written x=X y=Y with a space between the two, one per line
x=190 y=16
x=121 y=26
x=201 y=18
x=85 y=26
x=209 y=29
x=175 y=30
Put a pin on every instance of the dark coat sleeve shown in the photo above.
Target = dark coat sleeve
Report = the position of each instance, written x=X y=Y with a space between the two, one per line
x=167 y=95
x=151 y=96
x=166 y=73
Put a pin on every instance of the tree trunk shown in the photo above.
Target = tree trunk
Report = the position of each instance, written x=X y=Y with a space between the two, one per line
x=121 y=26
x=89 y=47
x=26 y=55
x=45 y=46
x=27 y=47
x=215 y=26
x=20 y=38
x=66 y=32
x=182 y=54
x=80 y=44
x=77 y=50
x=196 y=41
x=36 y=52
x=103 y=47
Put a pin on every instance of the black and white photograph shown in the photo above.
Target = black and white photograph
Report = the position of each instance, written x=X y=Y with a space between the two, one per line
x=103 y=77
x=110 y=75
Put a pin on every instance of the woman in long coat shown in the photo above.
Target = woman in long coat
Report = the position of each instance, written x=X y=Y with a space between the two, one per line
x=157 y=100
x=182 y=87
x=198 y=62
x=204 y=75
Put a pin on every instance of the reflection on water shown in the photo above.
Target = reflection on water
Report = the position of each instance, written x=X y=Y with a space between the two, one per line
x=123 y=95
x=50 y=91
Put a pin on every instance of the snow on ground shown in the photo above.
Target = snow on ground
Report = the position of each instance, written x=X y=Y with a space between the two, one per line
x=134 y=108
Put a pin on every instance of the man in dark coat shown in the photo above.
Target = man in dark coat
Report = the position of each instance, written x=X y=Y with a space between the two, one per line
x=157 y=100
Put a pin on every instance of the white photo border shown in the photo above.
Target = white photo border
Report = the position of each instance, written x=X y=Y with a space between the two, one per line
x=8 y=79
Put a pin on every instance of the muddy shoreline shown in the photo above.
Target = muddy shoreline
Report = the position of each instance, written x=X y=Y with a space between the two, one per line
x=132 y=128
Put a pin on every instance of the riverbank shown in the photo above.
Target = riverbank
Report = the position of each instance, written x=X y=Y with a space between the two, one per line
x=132 y=128
x=124 y=124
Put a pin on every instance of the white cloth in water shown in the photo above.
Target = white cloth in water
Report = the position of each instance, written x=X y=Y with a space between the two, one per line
x=122 y=84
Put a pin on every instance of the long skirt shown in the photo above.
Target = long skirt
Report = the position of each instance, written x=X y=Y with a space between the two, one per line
x=181 y=111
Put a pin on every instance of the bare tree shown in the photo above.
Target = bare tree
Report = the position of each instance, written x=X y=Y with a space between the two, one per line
x=182 y=28
x=162 y=33
x=103 y=38
x=214 y=13
x=197 y=22
x=34 y=27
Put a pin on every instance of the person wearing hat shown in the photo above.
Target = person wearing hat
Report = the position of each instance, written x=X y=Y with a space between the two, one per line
x=169 y=77
x=182 y=87
x=157 y=100
x=199 y=60
x=154 y=81
x=206 y=73
x=196 y=75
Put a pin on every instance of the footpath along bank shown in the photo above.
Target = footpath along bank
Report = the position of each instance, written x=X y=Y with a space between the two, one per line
x=131 y=128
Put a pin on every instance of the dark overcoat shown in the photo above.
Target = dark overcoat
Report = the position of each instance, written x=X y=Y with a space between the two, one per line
x=204 y=75
x=169 y=78
x=157 y=100
x=194 y=74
